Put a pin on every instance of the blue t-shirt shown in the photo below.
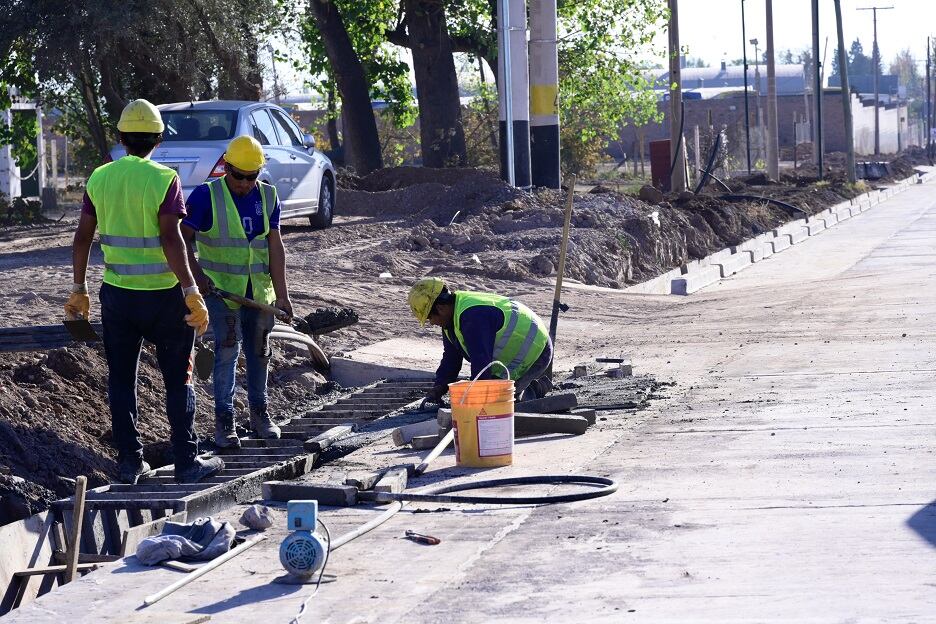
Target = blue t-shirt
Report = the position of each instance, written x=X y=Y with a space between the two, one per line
x=249 y=207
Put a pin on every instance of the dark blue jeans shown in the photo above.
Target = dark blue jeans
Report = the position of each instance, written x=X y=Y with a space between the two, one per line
x=245 y=328
x=129 y=317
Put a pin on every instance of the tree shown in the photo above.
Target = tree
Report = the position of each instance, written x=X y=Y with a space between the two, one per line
x=693 y=61
x=904 y=66
x=424 y=31
x=104 y=54
x=859 y=64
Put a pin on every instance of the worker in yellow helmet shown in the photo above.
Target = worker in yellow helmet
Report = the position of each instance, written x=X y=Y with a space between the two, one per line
x=483 y=328
x=233 y=223
x=148 y=293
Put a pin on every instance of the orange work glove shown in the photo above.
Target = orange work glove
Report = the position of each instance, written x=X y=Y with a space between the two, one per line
x=79 y=305
x=199 y=313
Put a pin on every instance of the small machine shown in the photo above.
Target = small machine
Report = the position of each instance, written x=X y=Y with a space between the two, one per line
x=303 y=552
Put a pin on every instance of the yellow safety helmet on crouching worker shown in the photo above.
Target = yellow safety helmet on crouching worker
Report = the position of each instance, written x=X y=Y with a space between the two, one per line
x=245 y=153
x=140 y=116
x=422 y=295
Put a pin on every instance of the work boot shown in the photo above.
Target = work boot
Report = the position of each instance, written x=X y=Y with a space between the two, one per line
x=199 y=469
x=130 y=469
x=225 y=435
x=262 y=424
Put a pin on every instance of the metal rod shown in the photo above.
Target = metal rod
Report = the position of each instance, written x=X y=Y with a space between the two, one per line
x=205 y=569
x=74 y=541
x=747 y=112
x=817 y=144
x=560 y=270
x=876 y=62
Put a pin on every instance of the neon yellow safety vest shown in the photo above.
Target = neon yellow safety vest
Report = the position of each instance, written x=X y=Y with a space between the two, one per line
x=126 y=195
x=225 y=254
x=520 y=340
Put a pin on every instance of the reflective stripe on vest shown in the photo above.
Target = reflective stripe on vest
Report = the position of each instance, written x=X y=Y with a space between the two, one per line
x=131 y=242
x=224 y=253
x=138 y=269
x=522 y=349
x=127 y=195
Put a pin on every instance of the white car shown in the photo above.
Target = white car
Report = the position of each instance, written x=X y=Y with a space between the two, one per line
x=197 y=133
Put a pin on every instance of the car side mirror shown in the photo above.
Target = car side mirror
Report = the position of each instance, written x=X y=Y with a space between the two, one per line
x=308 y=141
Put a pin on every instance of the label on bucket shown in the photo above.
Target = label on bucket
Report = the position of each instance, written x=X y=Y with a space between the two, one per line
x=495 y=434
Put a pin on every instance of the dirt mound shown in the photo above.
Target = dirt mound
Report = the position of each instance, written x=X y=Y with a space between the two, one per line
x=415 y=192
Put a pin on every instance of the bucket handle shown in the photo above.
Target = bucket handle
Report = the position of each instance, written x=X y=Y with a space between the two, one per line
x=481 y=372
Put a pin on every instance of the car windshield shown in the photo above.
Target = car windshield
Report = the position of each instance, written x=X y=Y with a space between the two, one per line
x=199 y=125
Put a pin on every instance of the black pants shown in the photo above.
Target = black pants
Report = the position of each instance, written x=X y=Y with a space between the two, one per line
x=129 y=317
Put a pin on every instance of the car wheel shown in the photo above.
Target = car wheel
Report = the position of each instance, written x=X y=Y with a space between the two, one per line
x=326 y=209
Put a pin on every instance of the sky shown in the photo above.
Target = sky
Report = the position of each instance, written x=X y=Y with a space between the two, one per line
x=711 y=29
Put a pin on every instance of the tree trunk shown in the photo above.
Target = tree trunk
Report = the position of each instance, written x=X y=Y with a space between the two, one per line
x=361 y=141
x=441 y=134
x=331 y=124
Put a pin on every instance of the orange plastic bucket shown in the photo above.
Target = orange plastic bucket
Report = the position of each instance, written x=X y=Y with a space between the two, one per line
x=483 y=419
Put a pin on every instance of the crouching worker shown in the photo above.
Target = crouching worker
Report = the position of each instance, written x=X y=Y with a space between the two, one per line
x=483 y=328
x=149 y=292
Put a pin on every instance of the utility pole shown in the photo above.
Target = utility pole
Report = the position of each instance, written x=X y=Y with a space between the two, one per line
x=747 y=110
x=773 y=143
x=817 y=145
x=876 y=62
x=677 y=149
x=846 y=97
x=544 y=95
x=929 y=102
x=513 y=87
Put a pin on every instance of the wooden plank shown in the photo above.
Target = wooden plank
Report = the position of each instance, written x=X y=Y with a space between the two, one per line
x=59 y=556
x=57 y=569
x=128 y=503
x=549 y=423
x=394 y=481
x=322 y=441
x=363 y=480
x=426 y=442
x=325 y=493
x=131 y=538
x=406 y=433
x=547 y=404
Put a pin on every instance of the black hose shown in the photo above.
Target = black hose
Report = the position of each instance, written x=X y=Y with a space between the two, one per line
x=438 y=495
x=711 y=163
x=679 y=141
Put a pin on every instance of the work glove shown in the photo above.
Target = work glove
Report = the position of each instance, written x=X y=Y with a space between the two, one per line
x=199 y=313
x=79 y=304
x=284 y=304
x=435 y=395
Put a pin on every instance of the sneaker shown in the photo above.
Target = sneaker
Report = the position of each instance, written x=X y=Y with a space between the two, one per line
x=131 y=469
x=199 y=469
x=262 y=424
x=225 y=435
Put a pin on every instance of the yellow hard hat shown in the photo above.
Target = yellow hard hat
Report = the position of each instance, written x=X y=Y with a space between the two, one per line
x=245 y=153
x=140 y=116
x=422 y=295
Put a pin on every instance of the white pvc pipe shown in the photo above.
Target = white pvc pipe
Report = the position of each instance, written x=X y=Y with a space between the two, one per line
x=205 y=569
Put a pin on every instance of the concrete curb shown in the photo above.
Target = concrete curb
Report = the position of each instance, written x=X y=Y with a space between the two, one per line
x=698 y=274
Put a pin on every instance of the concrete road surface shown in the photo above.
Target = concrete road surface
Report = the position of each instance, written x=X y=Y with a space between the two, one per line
x=788 y=476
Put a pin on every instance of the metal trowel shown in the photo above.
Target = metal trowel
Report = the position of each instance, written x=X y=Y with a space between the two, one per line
x=81 y=330
x=204 y=360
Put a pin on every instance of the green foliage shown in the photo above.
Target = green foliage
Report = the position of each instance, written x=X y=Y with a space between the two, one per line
x=601 y=83
x=367 y=22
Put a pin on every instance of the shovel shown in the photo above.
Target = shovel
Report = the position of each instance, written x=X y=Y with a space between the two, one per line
x=280 y=315
x=81 y=329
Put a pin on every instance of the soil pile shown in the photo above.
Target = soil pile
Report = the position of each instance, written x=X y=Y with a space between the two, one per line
x=477 y=225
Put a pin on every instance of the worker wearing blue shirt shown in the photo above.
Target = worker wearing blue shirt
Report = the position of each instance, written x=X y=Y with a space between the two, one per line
x=483 y=328
x=233 y=222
